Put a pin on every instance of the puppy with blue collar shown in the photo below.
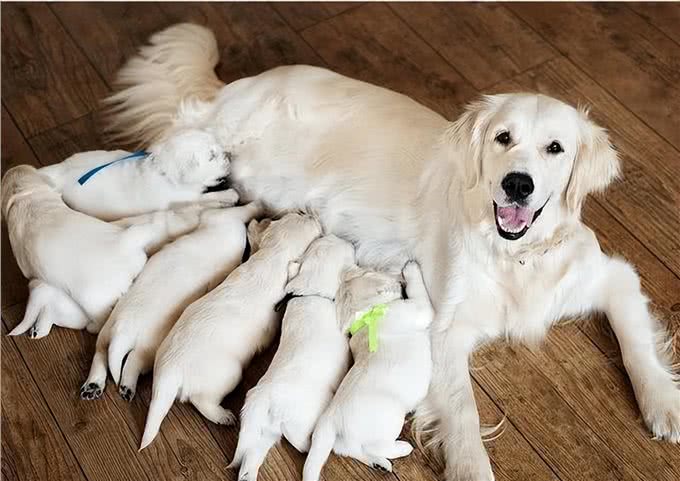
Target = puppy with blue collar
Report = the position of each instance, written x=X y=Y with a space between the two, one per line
x=312 y=357
x=111 y=185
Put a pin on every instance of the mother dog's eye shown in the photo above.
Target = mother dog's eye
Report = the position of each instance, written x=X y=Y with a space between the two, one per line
x=555 y=148
x=503 y=138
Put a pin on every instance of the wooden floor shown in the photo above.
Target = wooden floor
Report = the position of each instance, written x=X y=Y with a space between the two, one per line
x=571 y=414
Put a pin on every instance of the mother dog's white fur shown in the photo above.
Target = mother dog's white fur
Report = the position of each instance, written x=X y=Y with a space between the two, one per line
x=77 y=257
x=312 y=358
x=202 y=358
x=176 y=171
x=367 y=413
x=400 y=181
x=172 y=279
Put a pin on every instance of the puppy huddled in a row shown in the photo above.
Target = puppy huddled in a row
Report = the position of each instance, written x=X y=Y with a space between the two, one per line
x=312 y=357
x=180 y=273
x=114 y=184
x=367 y=413
x=78 y=266
x=203 y=357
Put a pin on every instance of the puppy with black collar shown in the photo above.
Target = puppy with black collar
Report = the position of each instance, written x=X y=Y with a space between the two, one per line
x=312 y=357
x=367 y=413
x=111 y=185
x=72 y=259
x=180 y=273
x=203 y=357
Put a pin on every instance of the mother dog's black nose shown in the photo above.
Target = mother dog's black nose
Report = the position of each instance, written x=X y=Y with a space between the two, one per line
x=517 y=186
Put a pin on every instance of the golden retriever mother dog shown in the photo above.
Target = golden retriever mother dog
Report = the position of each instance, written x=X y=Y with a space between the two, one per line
x=489 y=205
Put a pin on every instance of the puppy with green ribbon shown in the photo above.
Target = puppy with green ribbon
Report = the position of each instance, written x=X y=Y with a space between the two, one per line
x=391 y=373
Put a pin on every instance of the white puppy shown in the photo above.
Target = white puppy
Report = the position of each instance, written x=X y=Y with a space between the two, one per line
x=172 y=279
x=78 y=258
x=203 y=356
x=367 y=413
x=110 y=185
x=312 y=358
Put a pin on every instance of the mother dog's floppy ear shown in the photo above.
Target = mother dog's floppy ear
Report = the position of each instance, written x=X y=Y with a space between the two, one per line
x=466 y=135
x=596 y=164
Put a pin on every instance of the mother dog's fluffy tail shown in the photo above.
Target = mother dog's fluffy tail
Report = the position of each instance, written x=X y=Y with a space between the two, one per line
x=177 y=65
x=166 y=386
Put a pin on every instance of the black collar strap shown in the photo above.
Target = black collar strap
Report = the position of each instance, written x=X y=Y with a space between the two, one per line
x=283 y=302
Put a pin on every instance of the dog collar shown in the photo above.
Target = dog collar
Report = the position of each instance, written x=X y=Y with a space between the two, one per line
x=283 y=302
x=370 y=321
x=140 y=154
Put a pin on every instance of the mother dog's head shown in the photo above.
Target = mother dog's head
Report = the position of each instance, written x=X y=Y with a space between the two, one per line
x=527 y=156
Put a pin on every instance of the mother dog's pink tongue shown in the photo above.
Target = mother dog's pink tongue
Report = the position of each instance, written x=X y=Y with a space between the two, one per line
x=514 y=219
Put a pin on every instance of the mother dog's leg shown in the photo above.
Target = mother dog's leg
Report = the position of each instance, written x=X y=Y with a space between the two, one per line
x=643 y=341
x=450 y=404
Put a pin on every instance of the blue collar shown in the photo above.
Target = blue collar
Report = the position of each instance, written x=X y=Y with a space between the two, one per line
x=140 y=154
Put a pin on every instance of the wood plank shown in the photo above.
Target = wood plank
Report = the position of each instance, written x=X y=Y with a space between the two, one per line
x=105 y=434
x=46 y=80
x=15 y=151
x=371 y=43
x=56 y=144
x=301 y=15
x=485 y=42
x=119 y=28
x=648 y=195
x=530 y=400
x=251 y=37
x=663 y=15
x=33 y=446
x=634 y=61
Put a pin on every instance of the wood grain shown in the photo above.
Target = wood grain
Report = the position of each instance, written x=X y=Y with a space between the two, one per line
x=371 y=43
x=46 y=79
x=638 y=64
x=485 y=43
x=33 y=446
x=663 y=15
x=111 y=32
x=303 y=15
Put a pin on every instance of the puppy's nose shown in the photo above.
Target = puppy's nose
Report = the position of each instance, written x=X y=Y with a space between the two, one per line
x=517 y=186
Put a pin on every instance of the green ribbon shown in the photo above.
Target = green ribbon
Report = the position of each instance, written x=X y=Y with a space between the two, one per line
x=370 y=321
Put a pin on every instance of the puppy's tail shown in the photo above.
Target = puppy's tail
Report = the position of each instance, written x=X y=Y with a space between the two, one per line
x=33 y=307
x=256 y=437
x=177 y=65
x=166 y=387
x=323 y=440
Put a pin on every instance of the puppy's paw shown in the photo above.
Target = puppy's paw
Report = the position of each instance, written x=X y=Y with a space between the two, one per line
x=661 y=412
x=382 y=464
x=126 y=393
x=37 y=331
x=91 y=391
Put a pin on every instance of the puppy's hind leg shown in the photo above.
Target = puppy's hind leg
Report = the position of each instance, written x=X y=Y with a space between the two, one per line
x=254 y=457
x=209 y=407
x=137 y=363
x=93 y=387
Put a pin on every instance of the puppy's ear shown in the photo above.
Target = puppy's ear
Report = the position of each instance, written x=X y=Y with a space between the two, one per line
x=255 y=230
x=466 y=136
x=595 y=167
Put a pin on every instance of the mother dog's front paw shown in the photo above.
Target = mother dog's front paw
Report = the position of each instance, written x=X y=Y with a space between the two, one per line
x=661 y=412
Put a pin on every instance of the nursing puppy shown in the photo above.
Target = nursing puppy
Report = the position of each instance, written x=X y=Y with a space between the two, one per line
x=203 y=356
x=176 y=171
x=366 y=416
x=171 y=280
x=312 y=358
x=74 y=260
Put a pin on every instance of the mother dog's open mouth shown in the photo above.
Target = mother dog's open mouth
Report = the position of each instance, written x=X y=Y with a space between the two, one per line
x=514 y=221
